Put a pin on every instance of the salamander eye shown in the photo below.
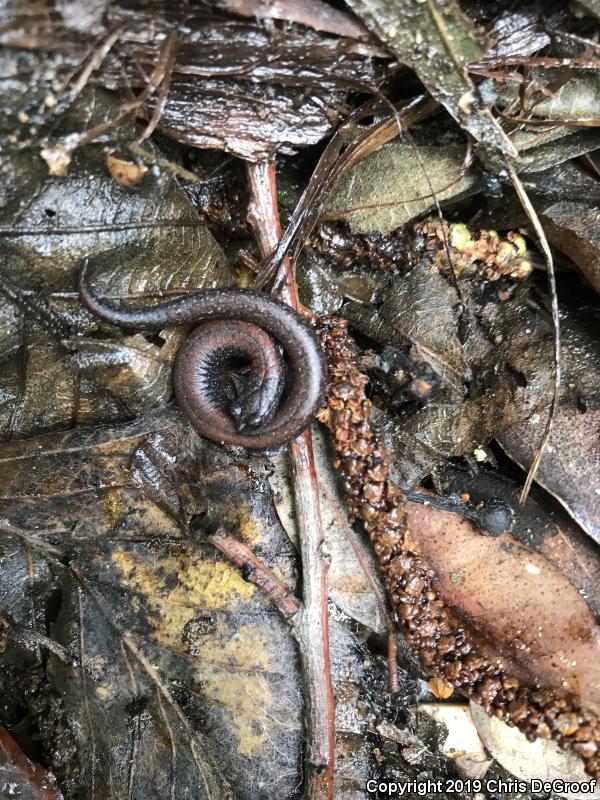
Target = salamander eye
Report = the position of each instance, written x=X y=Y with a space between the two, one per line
x=236 y=410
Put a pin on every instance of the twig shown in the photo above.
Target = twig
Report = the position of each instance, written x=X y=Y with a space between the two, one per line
x=31 y=779
x=161 y=80
x=97 y=57
x=257 y=573
x=312 y=630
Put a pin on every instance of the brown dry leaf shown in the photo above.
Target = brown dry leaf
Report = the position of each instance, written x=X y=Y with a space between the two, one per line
x=517 y=603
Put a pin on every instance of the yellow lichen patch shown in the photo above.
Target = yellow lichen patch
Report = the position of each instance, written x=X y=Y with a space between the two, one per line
x=250 y=528
x=247 y=698
x=169 y=623
x=248 y=649
x=210 y=585
x=201 y=586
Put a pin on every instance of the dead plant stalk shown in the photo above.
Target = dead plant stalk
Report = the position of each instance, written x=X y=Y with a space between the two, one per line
x=312 y=628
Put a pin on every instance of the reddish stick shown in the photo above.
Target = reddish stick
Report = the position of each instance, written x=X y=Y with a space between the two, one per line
x=312 y=630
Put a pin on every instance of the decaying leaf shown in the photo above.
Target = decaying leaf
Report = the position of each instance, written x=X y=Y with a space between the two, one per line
x=350 y=582
x=438 y=41
x=136 y=660
x=491 y=498
x=515 y=33
x=577 y=99
x=399 y=183
x=570 y=467
x=539 y=760
x=572 y=227
x=545 y=629
x=176 y=659
x=173 y=656
x=463 y=744
x=52 y=378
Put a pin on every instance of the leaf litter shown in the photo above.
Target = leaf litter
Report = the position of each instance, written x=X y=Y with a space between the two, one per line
x=150 y=663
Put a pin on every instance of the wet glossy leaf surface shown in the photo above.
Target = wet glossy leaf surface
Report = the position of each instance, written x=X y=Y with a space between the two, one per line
x=59 y=366
x=135 y=660
x=573 y=229
x=223 y=83
x=396 y=185
x=174 y=661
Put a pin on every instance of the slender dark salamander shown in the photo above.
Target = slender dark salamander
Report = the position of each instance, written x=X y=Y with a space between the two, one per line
x=236 y=322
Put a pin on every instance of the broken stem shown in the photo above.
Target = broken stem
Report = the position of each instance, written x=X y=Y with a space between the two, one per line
x=312 y=629
x=257 y=573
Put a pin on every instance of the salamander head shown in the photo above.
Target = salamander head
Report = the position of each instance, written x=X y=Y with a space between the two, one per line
x=253 y=405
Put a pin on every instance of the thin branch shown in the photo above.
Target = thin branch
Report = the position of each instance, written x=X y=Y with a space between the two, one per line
x=97 y=58
x=312 y=630
x=161 y=80
x=257 y=573
x=33 y=780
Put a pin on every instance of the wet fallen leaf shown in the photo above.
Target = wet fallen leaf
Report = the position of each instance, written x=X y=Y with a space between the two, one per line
x=183 y=676
x=420 y=311
x=577 y=99
x=349 y=586
x=538 y=523
x=547 y=148
x=515 y=33
x=51 y=378
x=539 y=760
x=135 y=659
x=399 y=183
x=175 y=662
x=570 y=463
x=438 y=40
x=573 y=227
x=564 y=182
x=462 y=744
x=518 y=603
